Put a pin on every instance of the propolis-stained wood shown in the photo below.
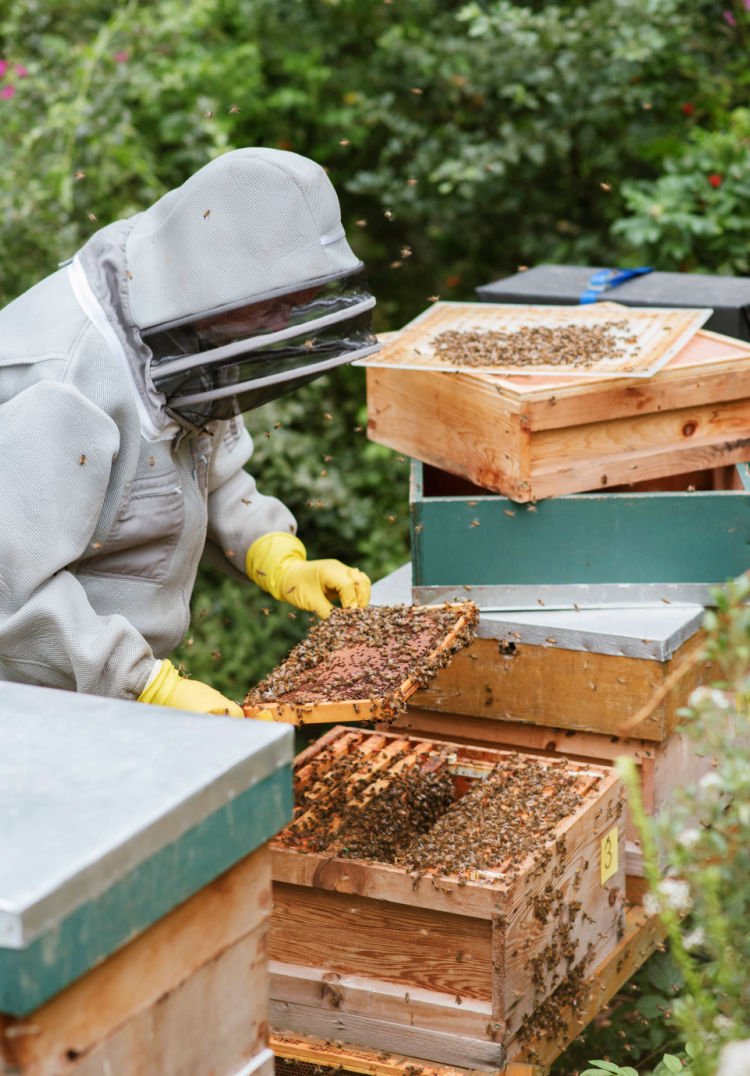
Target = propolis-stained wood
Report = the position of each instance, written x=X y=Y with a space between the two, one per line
x=531 y=437
x=469 y=960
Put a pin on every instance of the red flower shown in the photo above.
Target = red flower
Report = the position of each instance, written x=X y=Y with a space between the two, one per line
x=688 y=108
x=715 y=179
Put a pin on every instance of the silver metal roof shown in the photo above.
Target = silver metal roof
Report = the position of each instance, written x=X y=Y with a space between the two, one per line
x=646 y=630
x=92 y=787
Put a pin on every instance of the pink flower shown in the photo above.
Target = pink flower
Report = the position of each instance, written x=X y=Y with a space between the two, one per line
x=747 y=5
x=122 y=57
x=7 y=92
x=21 y=71
x=729 y=17
x=3 y=67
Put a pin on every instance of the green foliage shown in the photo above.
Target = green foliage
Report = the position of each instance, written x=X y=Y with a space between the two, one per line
x=696 y=214
x=636 y=1024
x=704 y=839
x=464 y=138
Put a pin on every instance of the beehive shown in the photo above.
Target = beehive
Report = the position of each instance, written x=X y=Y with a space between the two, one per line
x=530 y=437
x=445 y=964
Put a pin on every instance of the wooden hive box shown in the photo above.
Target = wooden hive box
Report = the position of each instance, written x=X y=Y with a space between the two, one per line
x=589 y=684
x=530 y=437
x=442 y=967
x=587 y=549
x=135 y=896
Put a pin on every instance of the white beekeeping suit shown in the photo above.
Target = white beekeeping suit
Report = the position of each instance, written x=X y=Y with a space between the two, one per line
x=122 y=379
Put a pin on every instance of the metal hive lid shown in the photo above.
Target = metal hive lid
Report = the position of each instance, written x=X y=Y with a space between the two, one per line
x=90 y=788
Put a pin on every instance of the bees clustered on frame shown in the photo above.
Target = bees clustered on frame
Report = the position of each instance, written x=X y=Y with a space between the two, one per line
x=369 y=655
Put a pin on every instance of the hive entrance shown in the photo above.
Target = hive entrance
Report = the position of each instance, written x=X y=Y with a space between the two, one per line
x=427 y=808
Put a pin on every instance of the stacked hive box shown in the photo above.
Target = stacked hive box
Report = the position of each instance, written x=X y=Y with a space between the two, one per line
x=500 y=515
x=361 y=955
x=135 y=893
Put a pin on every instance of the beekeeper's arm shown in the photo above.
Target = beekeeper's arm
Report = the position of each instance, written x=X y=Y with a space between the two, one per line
x=257 y=534
x=57 y=450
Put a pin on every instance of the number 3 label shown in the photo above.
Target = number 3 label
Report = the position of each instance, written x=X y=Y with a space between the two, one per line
x=609 y=855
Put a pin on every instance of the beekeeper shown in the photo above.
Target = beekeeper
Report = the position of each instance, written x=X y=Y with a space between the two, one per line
x=123 y=377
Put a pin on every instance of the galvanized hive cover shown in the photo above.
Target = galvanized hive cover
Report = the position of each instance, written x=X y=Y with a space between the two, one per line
x=111 y=814
x=651 y=631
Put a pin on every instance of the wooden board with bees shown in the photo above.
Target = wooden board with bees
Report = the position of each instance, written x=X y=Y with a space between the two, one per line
x=430 y=897
x=363 y=664
x=533 y=436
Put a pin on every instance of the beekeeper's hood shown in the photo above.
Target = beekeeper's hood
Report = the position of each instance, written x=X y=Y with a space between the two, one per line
x=240 y=285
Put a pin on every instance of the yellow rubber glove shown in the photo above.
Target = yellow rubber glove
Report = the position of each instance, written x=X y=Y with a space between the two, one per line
x=278 y=563
x=168 y=688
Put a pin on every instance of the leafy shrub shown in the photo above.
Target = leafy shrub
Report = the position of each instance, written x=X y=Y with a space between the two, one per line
x=696 y=214
x=703 y=838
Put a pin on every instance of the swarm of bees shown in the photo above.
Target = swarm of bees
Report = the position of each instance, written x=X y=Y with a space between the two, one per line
x=539 y=345
x=365 y=654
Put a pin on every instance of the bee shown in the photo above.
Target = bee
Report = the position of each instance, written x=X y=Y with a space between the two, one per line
x=207 y=214
x=233 y=110
x=82 y=460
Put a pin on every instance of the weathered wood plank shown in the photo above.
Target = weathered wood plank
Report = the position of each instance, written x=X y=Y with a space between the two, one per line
x=380 y=881
x=600 y=454
x=385 y=1036
x=352 y=935
x=420 y=1008
x=406 y=410
x=214 y=1022
x=550 y=686
x=348 y=1058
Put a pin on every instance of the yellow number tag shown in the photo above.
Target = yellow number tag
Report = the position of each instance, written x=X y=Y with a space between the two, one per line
x=609 y=855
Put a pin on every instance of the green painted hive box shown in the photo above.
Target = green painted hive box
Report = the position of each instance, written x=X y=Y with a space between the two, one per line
x=112 y=814
x=583 y=550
